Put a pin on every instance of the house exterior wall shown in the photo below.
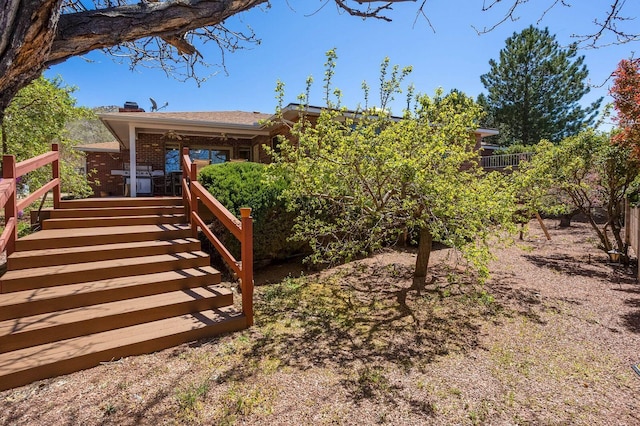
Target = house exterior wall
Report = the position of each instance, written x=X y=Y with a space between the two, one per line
x=103 y=163
x=150 y=151
x=258 y=153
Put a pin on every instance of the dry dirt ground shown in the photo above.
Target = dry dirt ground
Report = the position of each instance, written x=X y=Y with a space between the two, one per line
x=549 y=340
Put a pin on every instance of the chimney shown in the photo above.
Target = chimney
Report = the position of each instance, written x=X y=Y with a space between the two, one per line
x=130 y=107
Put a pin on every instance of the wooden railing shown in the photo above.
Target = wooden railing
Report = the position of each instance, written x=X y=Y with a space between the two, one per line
x=504 y=160
x=11 y=171
x=192 y=193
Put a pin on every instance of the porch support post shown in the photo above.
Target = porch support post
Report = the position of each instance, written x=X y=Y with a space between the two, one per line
x=132 y=160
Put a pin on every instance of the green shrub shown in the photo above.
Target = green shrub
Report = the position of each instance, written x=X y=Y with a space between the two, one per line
x=246 y=184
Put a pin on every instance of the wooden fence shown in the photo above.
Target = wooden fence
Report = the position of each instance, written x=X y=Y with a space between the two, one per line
x=193 y=192
x=11 y=172
x=632 y=230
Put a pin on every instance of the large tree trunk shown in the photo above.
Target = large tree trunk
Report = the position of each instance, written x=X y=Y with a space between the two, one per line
x=422 y=259
x=28 y=31
x=82 y=32
x=565 y=219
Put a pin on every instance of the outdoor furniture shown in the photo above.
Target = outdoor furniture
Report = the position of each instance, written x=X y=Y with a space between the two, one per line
x=176 y=183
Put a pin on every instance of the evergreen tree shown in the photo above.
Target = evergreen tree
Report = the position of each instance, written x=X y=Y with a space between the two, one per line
x=535 y=88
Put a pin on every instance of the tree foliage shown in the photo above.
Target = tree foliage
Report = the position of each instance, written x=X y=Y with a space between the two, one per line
x=626 y=100
x=365 y=179
x=534 y=89
x=585 y=173
x=36 y=118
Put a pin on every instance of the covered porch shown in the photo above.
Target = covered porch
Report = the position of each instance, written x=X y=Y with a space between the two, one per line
x=153 y=142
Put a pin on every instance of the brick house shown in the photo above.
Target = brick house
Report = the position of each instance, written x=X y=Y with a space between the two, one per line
x=153 y=142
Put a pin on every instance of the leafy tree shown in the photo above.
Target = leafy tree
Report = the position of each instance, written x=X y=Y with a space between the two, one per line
x=626 y=100
x=535 y=88
x=36 y=118
x=366 y=179
x=585 y=173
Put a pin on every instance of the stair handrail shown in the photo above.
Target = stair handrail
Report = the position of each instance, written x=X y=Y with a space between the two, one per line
x=193 y=192
x=11 y=172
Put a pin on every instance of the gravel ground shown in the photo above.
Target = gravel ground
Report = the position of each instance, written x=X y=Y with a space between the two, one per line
x=550 y=339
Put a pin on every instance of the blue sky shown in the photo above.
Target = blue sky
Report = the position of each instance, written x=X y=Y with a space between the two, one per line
x=294 y=40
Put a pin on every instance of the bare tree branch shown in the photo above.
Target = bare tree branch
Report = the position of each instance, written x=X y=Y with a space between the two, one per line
x=612 y=24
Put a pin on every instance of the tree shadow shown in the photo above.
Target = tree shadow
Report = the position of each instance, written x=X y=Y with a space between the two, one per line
x=147 y=410
x=570 y=265
x=362 y=321
x=631 y=320
x=517 y=301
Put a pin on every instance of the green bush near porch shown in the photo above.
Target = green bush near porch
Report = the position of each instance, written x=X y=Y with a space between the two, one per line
x=246 y=184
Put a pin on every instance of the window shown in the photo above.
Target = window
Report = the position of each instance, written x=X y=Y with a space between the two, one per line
x=173 y=161
x=213 y=156
x=275 y=144
x=244 y=154
x=172 y=158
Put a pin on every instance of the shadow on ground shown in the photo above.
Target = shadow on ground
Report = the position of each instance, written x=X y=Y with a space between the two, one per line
x=361 y=321
x=631 y=320
x=570 y=265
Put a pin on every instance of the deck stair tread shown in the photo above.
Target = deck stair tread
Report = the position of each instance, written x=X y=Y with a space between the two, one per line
x=121 y=202
x=108 y=221
x=43 y=328
x=63 y=297
x=82 y=232
x=47 y=276
x=105 y=279
x=57 y=256
x=114 y=211
x=28 y=364
x=77 y=237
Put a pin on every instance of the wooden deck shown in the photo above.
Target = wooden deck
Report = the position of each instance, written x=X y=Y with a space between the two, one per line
x=104 y=279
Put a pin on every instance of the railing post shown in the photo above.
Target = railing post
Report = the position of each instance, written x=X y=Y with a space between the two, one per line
x=246 y=252
x=187 y=206
x=194 y=202
x=11 y=208
x=55 y=169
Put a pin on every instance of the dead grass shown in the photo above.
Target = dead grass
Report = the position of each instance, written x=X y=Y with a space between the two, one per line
x=549 y=340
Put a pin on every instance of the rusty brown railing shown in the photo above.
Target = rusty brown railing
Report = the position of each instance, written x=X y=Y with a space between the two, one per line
x=192 y=193
x=11 y=171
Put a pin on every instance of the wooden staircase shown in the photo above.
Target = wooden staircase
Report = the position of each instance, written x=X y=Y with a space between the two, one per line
x=104 y=279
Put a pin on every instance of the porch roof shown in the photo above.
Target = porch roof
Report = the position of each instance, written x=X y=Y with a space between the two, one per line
x=231 y=124
x=113 y=146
